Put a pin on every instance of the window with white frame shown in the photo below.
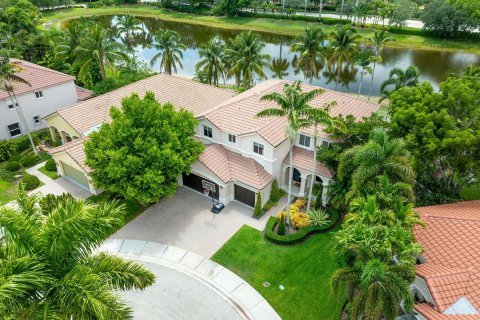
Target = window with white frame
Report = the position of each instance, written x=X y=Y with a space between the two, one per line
x=36 y=120
x=14 y=129
x=207 y=132
x=232 y=138
x=38 y=94
x=325 y=144
x=11 y=105
x=258 y=148
x=304 y=140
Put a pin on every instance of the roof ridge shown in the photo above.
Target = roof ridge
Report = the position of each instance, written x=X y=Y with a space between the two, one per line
x=39 y=67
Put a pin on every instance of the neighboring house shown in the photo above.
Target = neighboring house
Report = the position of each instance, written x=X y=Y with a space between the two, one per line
x=50 y=90
x=448 y=274
x=243 y=154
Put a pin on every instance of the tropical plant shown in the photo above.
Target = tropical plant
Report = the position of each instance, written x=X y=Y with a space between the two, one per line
x=71 y=37
x=128 y=24
x=319 y=217
x=367 y=211
x=279 y=68
x=344 y=43
x=212 y=61
x=364 y=59
x=375 y=289
x=98 y=49
x=246 y=58
x=310 y=47
x=399 y=78
x=48 y=266
x=379 y=39
x=170 y=51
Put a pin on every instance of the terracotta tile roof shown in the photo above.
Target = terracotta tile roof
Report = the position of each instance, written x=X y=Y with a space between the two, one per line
x=39 y=77
x=83 y=94
x=427 y=311
x=74 y=149
x=237 y=115
x=181 y=92
x=231 y=166
x=452 y=252
x=302 y=159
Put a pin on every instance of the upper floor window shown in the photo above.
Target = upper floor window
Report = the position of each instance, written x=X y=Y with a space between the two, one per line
x=258 y=148
x=38 y=94
x=207 y=131
x=36 y=120
x=14 y=130
x=232 y=138
x=325 y=144
x=11 y=105
x=304 y=140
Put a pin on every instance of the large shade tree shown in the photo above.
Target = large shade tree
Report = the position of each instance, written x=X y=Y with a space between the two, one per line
x=143 y=151
x=49 y=268
x=169 y=49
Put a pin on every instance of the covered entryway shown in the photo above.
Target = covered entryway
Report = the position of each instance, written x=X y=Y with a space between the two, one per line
x=244 y=195
x=199 y=184
x=75 y=175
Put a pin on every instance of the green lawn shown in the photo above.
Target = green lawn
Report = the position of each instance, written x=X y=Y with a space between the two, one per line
x=133 y=207
x=51 y=174
x=303 y=269
x=290 y=27
x=7 y=191
x=471 y=192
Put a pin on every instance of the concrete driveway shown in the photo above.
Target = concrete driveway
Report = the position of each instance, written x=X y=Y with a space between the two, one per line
x=185 y=221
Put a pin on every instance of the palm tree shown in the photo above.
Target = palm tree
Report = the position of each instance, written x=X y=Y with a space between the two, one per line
x=344 y=45
x=375 y=289
x=211 y=64
x=364 y=60
x=247 y=59
x=366 y=210
x=49 y=268
x=279 y=68
x=400 y=78
x=98 y=48
x=292 y=104
x=378 y=41
x=128 y=24
x=72 y=36
x=168 y=43
x=9 y=75
x=379 y=155
x=320 y=8
x=310 y=47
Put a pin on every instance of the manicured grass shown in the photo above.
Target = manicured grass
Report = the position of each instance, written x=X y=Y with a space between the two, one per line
x=304 y=270
x=471 y=192
x=51 y=174
x=289 y=27
x=7 y=192
x=133 y=208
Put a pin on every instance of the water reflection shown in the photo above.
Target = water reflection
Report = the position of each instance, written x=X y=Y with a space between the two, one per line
x=434 y=66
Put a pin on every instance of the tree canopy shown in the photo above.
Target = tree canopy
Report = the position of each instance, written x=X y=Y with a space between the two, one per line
x=143 y=151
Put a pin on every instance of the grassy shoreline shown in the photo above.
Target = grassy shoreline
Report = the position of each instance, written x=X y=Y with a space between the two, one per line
x=277 y=26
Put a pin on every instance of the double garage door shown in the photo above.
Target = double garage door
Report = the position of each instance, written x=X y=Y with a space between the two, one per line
x=244 y=195
x=75 y=175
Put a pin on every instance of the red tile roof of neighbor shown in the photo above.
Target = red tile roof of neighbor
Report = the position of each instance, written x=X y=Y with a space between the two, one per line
x=39 y=77
x=428 y=312
x=237 y=115
x=232 y=166
x=452 y=254
x=302 y=159
x=83 y=94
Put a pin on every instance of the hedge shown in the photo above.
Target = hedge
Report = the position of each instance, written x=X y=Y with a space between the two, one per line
x=325 y=20
x=301 y=233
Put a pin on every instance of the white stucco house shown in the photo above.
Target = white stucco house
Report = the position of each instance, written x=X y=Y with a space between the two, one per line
x=48 y=91
x=243 y=154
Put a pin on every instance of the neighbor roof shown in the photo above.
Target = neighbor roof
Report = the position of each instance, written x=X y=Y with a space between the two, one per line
x=181 y=92
x=302 y=159
x=39 y=77
x=83 y=94
x=452 y=254
x=231 y=166
x=237 y=115
x=74 y=149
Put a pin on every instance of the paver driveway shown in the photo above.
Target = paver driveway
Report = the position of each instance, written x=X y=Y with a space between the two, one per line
x=185 y=221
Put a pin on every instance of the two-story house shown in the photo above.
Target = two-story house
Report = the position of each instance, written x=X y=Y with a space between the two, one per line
x=47 y=90
x=243 y=153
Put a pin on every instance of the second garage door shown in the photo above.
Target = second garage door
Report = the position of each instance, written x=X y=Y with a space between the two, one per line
x=75 y=175
x=245 y=196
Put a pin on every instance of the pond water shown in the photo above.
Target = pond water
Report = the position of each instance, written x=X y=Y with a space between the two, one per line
x=434 y=65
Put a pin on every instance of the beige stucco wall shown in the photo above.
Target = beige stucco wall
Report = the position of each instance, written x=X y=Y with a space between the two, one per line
x=63 y=157
x=58 y=122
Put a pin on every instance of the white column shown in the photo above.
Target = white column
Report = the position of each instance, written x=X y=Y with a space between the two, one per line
x=303 y=183
x=325 y=193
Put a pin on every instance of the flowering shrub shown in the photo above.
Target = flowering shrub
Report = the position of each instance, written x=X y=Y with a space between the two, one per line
x=298 y=219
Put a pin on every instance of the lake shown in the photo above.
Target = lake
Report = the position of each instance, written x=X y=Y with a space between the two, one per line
x=434 y=65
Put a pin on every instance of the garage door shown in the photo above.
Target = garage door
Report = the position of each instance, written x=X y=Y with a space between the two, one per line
x=245 y=196
x=199 y=184
x=75 y=175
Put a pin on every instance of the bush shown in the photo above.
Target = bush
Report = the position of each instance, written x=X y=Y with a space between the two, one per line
x=267 y=206
x=298 y=219
x=30 y=182
x=50 y=165
x=6 y=175
x=258 y=210
x=319 y=217
x=29 y=160
x=12 y=166
x=7 y=150
x=51 y=201
x=281 y=227
x=318 y=201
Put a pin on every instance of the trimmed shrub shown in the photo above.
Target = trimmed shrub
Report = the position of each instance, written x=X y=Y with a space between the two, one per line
x=50 y=165
x=30 y=182
x=274 y=194
x=29 y=160
x=267 y=206
x=281 y=226
x=258 y=210
x=12 y=166
x=51 y=201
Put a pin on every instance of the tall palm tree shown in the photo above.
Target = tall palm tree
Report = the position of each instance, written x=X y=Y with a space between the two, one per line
x=379 y=155
x=364 y=59
x=247 y=59
x=98 y=48
x=8 y=76
x=170 y=51
x=72 y=36
x=49 y=268
x=212 y=64
x=400 y=78
x=378 y=41
x=375 y=289
x=310 y=47
x=292 y=104
x=344 y=45
x=128 y=24
x=279 y=68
